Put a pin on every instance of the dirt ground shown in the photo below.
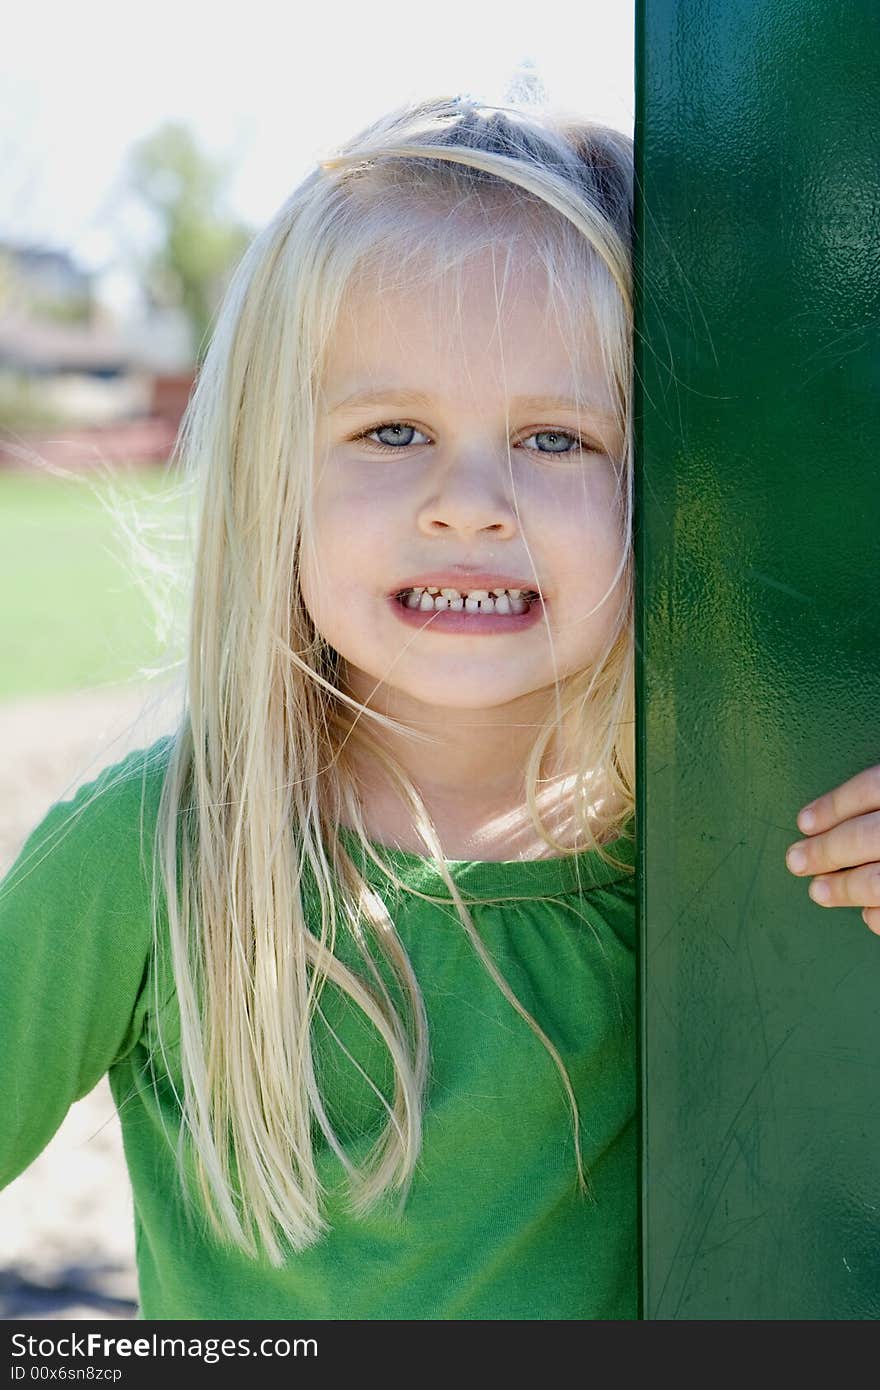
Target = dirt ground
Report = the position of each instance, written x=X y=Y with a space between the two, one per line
x=66 y=1225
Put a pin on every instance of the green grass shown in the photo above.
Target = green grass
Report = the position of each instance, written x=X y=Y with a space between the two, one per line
x=71 y=613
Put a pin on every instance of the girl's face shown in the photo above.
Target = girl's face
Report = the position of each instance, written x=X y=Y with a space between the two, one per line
x=442 y=494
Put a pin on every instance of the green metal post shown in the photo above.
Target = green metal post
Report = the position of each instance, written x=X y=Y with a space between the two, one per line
x=758 y=515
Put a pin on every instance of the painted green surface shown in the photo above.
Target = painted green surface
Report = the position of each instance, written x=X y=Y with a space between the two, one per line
x=758 y=229
x=71 y=612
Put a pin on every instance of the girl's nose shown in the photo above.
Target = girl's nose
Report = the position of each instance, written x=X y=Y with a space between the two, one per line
x=469 y=509
x=470 y=487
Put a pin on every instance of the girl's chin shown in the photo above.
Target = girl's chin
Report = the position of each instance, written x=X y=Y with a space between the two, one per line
x=478 y=697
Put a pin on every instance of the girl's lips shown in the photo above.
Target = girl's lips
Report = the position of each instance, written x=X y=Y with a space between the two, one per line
x=471 y=624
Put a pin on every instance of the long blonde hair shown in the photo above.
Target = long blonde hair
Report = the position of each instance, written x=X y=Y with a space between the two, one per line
x=259 y=777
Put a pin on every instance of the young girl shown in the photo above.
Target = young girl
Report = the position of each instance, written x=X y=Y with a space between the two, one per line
x=356 y=943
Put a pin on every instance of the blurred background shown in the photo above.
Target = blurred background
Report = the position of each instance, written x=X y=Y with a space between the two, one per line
x=141 y=151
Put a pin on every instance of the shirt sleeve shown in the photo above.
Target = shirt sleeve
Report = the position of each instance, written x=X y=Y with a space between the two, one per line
x=75 y=947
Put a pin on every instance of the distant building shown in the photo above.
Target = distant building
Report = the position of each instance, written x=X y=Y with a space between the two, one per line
x=43 y=282
x=36 y=347
x=67 y=365
x=50 y=322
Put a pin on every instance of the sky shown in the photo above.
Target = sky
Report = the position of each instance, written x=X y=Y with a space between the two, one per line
x=79 y=84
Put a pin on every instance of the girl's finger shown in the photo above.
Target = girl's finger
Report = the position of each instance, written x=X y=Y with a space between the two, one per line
x=854 y=842
x=871 y=919
x=851 y=888
x=861 y=793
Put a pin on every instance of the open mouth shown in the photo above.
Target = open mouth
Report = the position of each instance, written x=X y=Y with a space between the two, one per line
x=507 y=602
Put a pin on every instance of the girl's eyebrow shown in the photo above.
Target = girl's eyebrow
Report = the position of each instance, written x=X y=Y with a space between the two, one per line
x=386 y=395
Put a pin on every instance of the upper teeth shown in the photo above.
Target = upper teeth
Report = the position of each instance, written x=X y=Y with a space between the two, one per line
x=463 y=593
x=428 y=597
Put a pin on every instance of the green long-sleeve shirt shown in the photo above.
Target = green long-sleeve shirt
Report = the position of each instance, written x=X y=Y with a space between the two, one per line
x=494 y=1226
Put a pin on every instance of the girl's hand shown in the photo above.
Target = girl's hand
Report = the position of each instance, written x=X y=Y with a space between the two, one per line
x=844 y=835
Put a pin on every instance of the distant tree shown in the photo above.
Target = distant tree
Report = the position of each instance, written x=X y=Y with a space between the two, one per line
x=200 y=242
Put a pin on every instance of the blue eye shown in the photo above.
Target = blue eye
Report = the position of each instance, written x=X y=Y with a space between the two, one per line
x=390 y=448
x=559 y=434
x=578 y=444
